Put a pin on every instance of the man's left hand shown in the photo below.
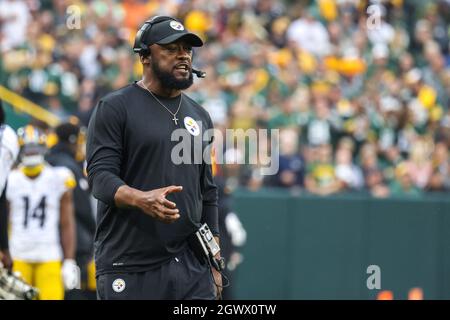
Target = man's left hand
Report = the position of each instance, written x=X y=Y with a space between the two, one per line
x=6 y=259
x=217 y=275
x=218 y=282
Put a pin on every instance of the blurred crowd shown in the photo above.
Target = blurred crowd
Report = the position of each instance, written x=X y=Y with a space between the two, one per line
x=360 y=90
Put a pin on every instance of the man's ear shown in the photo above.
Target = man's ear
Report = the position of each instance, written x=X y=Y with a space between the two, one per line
x=145 y=59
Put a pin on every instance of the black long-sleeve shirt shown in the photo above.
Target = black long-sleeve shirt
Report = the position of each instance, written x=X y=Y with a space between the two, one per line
x=129 y=142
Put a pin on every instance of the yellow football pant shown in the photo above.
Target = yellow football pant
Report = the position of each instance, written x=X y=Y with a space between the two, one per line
x=91 y=281
x=46 y=276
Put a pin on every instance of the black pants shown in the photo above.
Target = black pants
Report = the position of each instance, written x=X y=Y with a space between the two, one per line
x=182 y=278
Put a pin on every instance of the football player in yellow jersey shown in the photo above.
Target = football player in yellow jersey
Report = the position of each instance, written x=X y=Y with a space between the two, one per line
x=42 y=237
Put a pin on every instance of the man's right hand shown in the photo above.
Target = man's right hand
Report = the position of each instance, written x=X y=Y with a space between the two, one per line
x=153 y=202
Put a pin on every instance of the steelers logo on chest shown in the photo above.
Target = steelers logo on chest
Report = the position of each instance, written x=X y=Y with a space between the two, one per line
x=192 y=126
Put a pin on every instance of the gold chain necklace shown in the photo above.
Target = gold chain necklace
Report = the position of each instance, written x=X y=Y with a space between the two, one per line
x=175 y=119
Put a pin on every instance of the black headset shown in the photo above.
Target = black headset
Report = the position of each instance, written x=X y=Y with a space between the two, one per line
x=143 y=49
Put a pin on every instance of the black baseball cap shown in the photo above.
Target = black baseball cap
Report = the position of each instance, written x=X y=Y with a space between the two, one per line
x=169 y=31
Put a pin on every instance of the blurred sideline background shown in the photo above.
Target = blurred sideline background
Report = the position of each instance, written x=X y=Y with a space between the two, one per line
x=361 y=100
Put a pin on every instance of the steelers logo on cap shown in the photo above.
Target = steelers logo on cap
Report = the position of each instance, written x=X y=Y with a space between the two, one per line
x=191 y=126
x=176 y=25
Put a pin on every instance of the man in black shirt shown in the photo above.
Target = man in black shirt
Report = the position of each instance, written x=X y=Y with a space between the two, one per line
x=148 y=205
x=64 y=154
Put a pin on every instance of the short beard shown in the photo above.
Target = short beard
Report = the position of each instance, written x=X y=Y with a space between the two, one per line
x=169 y=81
